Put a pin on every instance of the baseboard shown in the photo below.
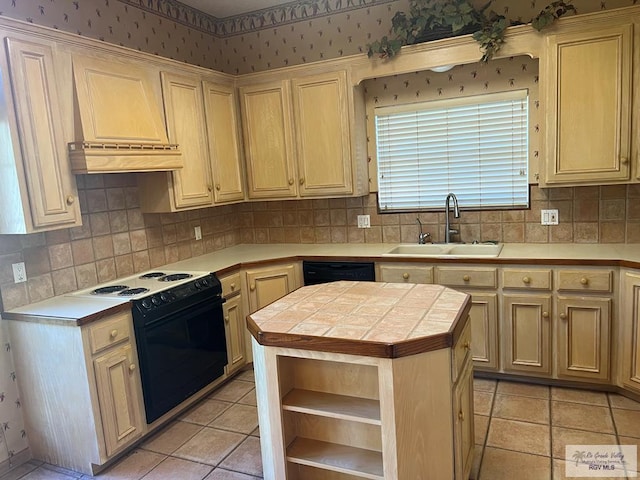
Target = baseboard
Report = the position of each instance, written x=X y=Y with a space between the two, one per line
x=15 y=461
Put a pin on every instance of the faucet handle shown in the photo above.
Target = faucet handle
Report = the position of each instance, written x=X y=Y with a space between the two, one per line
x=424 y=238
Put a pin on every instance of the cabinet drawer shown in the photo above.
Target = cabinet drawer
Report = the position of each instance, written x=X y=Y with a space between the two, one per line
x=585 y=280
x=461 y=351
x=467 y=277
x=109 y=332
x=230 y=284
x=405 y=273
x=527 y=279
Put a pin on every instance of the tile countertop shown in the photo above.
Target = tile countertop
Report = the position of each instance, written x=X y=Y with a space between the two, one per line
x=387 y=320
x=76 y=311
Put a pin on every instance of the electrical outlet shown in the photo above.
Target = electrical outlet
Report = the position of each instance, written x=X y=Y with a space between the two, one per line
x=19 y=272
x=364 y=221
x=549 y=217
x=198 y=232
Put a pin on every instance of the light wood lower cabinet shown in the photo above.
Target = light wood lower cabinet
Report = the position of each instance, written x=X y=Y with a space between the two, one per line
x=404 y=273
x=267 y=284
x=235 y=332
x=630 y=332
x=80 y=389
x=526 y=333
x=484 y=331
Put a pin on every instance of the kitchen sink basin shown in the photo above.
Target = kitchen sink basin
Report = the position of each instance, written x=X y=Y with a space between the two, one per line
x=447 y=250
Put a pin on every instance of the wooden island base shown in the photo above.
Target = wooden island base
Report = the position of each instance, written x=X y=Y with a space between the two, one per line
x=341 y=416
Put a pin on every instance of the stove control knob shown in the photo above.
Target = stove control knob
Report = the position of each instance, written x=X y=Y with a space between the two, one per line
x=146 y=303
x=156 y=300
x=165 y=297
x=197 y=284
x=205 y=282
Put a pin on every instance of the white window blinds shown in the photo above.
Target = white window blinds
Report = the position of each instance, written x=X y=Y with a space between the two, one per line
x=475 y=147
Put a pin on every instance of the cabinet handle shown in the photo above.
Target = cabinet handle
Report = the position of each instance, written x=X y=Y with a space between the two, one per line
x=461 y=416
x=252 y=287
x=218 y=186
x=545 y=314
x=526 y=280
x=563 y=316
x=233 y=286
x=301 y=180
x=467 y=345
x=209 y=188
x=584 y=281
x=624 y=160
x=226 y=319
x=132 y=367
x=466 y=278
x=70 y=199
x=406 y=276
x=291 y=181
x=113 y=333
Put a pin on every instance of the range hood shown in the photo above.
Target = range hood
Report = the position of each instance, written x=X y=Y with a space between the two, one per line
x=119 y=127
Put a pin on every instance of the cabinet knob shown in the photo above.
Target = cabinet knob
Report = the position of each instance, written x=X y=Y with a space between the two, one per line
x=209 y=188
x=467 y=345
x=461 y=416
x=563 y=316
x=466 y=278
x=132 y=367
x=624 y=160
x=406 y=276
x=113 y=333
x=232 y=286
x=526 y=280
x=70 y=199
x=291 y=181
x=218 y=186
x=226 y=319
x=584 y=281
x=301 y=180
x=545 y=314
x=252 y=287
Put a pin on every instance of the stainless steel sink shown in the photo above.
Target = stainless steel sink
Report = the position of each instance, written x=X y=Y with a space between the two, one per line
x=467 y=250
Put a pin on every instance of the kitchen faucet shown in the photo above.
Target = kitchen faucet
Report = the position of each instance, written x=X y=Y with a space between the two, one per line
x=448 y=231
x=423 y=237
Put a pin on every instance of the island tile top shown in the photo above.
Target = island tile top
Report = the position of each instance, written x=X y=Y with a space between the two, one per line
x=377 y=319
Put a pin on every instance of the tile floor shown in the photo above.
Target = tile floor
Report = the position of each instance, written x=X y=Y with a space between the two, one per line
x=521 y=430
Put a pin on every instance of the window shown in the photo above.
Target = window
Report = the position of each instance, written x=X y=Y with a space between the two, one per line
x=475 y=147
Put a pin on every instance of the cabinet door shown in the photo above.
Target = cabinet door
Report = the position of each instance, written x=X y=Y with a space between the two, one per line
x=267 y=285
x=583 y=337
x=484 y=330
x=631 y=331
x=118 y=384
x=589 y=106
x=224 y=142
x=323 y=143
x=268 y=142
x=527 y=334
x=50 y=183
x=234 y=330
x=184 y=110
x=463 y=424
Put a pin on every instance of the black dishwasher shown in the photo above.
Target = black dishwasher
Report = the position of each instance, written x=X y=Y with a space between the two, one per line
x=323 y=272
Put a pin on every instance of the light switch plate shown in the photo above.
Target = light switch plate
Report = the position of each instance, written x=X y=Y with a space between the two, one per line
x=19 y=272
x=364 y=221
x=198 y=232
x=549 y=217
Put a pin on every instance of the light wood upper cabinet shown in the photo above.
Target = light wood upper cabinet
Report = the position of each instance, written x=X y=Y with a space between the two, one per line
x=587 y=77
x=224 y=142
x=268 y=142
x=322 y=133
x=38 y=189
x=630 y=332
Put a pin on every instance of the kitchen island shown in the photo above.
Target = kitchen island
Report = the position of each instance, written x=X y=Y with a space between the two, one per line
x=365 y=380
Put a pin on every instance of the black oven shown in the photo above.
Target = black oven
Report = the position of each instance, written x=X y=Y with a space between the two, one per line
x=181 y=342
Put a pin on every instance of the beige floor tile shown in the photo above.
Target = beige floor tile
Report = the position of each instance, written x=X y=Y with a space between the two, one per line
x=173 y=468
x=134 y=466
x=238 y=418
x=498 y=464
x=221 y=474
x=256 y=432
x=636 y=442
x=209 y=446
x=627 y=422
x=247 y=376
x=579 y=396
x=480 y=427
x=559 y=470
x=581 y=417
x=482 y=402
x=560 y=437
x=232 y=391
x=246 y=458
x=42 y=473
x=484 y=384
x=64 y=471
x=526 y=409
x=619 y=401
x=477 y=459
x=205 y=412
x=249 y=398
x=523 y=389
x=169 y=439
x=519 y=436
x=20 y=471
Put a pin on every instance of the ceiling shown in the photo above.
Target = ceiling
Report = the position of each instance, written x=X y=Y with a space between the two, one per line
x=231 y=8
